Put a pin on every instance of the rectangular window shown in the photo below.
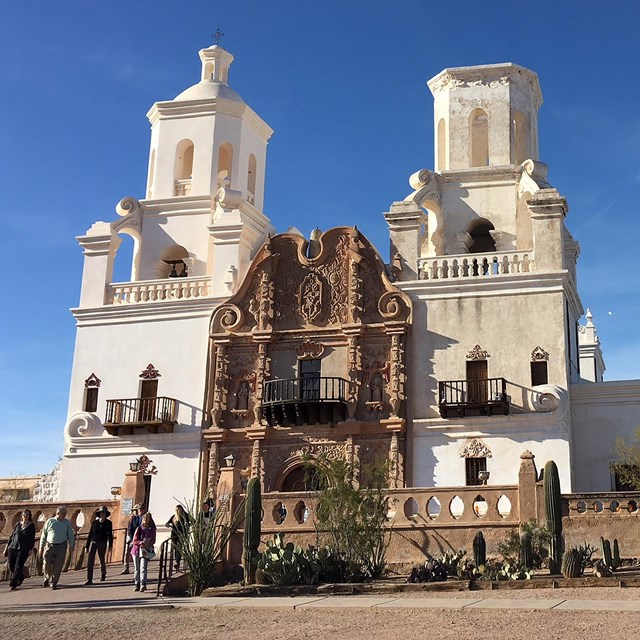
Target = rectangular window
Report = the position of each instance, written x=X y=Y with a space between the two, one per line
x=473 y=466
x=539 y=373
x=91 y=399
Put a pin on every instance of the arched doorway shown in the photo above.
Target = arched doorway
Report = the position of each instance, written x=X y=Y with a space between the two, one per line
x=301 y=478
x=482 y=242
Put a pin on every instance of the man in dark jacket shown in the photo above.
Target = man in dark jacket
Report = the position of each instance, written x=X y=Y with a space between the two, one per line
x=100 y=537
x=21 y=542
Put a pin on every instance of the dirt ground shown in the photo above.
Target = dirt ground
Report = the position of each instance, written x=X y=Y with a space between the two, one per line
x=345 y=624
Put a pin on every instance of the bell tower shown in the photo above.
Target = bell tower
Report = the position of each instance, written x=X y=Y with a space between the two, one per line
x=207 y=137
x=485 y=115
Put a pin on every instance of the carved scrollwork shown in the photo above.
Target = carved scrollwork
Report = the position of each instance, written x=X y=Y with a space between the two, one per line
x=150 y=373
x=227 y=318
x=309 y=349
x=475 y=449
x=83 y=425
x=311 y=297
x=477 y=353
x=421 y=179
x=127 y=206
x=391 y=305
x=92 y=381
x=549 y=398
x=534 y=177
x=538 y=354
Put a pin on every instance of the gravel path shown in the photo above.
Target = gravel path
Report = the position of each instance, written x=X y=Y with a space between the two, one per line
x=359 y=624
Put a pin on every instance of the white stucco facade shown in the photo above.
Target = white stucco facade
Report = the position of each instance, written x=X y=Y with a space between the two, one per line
x=497 y=362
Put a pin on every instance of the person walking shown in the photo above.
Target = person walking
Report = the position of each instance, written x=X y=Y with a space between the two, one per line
x=21 y=542
x=134 y=522
x=99 y=539
x=57 y=536
x=179 y=524
x=142 y=551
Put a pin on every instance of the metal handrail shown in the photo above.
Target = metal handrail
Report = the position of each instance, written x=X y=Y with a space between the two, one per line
x=320 y=389
x=141 y=410
x=165 y=571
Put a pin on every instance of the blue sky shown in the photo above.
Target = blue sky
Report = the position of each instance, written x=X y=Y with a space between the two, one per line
x=343 y=85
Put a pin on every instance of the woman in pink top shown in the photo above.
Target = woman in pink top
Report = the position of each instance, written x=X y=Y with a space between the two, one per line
x=141 y=547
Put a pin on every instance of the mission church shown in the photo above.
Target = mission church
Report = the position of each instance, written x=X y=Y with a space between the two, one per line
x=235 y=344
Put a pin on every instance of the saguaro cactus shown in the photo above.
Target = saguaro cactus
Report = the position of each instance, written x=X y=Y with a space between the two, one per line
x=615 y=560
x=605 y=546
x=571 y=564
x=252 y=518
x=553 y=510
x=526 y=549
x=479 y=549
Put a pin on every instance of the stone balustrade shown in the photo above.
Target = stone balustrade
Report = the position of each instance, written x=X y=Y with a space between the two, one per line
x=165 y=290
x=80 y=514
x=602 y=504
x=448 y=507
x=473 y=265
x=613 y=515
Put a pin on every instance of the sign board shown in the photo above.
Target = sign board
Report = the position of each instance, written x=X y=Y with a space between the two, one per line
x=127 y=506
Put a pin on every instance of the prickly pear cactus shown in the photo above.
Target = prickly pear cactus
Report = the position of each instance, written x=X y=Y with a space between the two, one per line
x=571 y=564
x=479 y=550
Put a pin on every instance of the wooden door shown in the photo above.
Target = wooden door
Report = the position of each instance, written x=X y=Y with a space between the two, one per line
x=477 y=385
x=148 y=399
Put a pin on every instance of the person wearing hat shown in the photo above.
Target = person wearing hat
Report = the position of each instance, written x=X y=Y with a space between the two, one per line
x=134 y=522
x=99 y=539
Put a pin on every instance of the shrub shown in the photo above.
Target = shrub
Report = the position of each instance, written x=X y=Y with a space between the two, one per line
x=203 y=542
x=509 y=548
x=353 y=520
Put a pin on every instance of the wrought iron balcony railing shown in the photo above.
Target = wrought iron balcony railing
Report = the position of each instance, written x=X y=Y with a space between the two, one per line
x=482 y=397
x=304 y=400
x=154 y=414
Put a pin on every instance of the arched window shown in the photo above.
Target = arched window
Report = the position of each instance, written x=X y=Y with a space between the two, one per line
x=225 y=160
x=478 y=138
x=208 y=71
x=482 y=242
x=126 y=266
x=520 y=137
x=152 y=171
x=172 y=262
x=184 y=160
x=251 y=175
x=442 y=145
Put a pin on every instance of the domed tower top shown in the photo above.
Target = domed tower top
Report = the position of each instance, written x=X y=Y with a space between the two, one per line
x=214 y=82
x=485 y=115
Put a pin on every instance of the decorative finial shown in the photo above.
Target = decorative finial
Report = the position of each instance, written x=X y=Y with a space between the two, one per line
x=589 y=317
x=217 y=36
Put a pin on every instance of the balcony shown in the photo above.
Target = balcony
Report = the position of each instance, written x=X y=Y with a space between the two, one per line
x=156 y=415
x=298 y=401
x=473 y=397
x=163 y=290
x=476 y=265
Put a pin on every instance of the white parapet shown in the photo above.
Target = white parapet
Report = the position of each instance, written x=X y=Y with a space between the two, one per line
x=163 y=290
x=472 y=265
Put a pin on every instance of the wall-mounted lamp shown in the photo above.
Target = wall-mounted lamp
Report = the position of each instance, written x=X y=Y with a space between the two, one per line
x=116 y=491
x=134 y=467
x=230 y=460
x=483 y=476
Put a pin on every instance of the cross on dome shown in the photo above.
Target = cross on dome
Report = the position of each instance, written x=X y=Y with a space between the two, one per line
x=217 y=36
